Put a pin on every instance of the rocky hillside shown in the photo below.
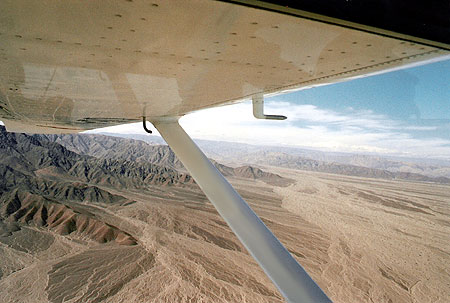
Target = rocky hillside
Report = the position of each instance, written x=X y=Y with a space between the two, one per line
x=43 y=184
x=108 y=147
x=21 y=206
x=43 y=178
x=250 y=172
x=84 y=219
x=36 y=155
x=115 y=148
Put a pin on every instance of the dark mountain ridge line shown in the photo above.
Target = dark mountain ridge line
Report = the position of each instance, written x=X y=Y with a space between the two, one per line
x=107 y=147
x=31 y=153
x=137 y=151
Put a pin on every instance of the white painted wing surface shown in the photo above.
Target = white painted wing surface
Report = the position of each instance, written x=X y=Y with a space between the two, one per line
x=68 y=66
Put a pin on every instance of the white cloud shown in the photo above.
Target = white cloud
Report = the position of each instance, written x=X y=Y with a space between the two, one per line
x=351 y=118
x=421 y=128
x=310 y=126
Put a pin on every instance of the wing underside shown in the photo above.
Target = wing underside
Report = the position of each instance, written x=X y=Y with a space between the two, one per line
x=70 y=66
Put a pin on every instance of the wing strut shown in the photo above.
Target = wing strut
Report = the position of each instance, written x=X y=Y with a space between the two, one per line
x=290 y=278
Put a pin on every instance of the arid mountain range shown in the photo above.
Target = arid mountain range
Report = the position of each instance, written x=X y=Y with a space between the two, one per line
x=107 y=147
x=228 y=152
x=243 y=154
x=90 y=218
x=40 y=177
x=59 y=213
x=281 y=159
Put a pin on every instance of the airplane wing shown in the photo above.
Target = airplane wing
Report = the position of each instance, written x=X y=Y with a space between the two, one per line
x=69 y=66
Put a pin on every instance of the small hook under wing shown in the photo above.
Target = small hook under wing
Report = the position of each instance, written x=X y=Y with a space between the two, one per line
x=258 y=109
x=144 y=123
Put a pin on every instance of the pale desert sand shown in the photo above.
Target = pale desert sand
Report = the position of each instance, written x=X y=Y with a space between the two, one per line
x=389 y=241
x=362 y=240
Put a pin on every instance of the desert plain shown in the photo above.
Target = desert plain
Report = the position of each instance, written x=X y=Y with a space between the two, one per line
x=362 y=240
x=92 y=218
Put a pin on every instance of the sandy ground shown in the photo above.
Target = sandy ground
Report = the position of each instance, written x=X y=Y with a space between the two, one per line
x=362 y=241
x=389 y=240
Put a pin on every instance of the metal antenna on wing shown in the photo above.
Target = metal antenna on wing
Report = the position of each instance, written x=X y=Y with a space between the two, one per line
x=258 y=109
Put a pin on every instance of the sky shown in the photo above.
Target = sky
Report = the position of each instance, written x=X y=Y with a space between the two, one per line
x=401 y=113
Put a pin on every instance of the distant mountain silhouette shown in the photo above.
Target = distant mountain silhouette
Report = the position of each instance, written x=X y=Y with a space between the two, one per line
x=281 y=159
